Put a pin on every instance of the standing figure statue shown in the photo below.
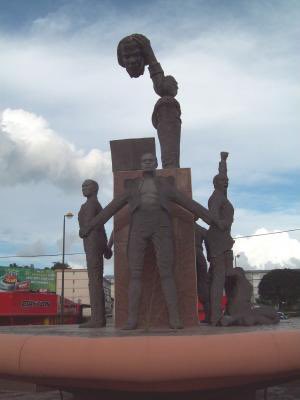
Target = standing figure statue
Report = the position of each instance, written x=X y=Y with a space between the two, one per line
x=240 y=310
x=166 y=120
x=134 y=52
x=219 y=239
x=95 y=247
x=149 y=199
x=201 y=269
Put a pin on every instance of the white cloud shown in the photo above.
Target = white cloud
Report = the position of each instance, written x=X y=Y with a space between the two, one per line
x=71 y=239
x=36 y=248
x=32 y=152
x=270 y=251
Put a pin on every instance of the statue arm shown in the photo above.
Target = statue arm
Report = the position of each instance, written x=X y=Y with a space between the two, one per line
x=108 y=249
x=111 y=209
x=155 y=70
x=223 y=163
x=191 y=205
x=98 y=210
x=157 y=75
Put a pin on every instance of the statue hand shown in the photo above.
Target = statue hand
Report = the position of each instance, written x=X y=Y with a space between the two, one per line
x=108 y=253
x=224 y=155
x=144 y=42
x=83 y=232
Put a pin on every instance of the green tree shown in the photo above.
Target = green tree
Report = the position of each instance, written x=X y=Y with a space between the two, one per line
x=280 y=287
x=14 y=265
x=59 y=265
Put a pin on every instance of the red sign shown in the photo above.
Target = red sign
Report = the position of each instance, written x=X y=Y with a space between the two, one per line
x=25 y=303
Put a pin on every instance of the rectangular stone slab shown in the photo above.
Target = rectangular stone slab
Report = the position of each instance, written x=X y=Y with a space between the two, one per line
x=126 y=153
x=153 y=311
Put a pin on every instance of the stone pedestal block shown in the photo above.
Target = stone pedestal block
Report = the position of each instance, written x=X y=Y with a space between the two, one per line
x=153 y=310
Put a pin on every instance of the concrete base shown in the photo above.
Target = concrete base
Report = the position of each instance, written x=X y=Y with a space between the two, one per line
x=196 y=363
x=224 y=394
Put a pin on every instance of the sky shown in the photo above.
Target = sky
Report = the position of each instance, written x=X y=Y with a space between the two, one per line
x=63 y=97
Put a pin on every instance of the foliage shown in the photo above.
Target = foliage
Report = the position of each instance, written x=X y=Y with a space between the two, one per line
x=14 y=265
x=280 y=286
x=59 y=265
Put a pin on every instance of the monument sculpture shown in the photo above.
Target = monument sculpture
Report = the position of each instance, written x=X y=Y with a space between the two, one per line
x=149 y=199
x=219 y=239
x=134 y=52
x=95 y=247
x=155 y=210
x=240 y=310
x=201 y=268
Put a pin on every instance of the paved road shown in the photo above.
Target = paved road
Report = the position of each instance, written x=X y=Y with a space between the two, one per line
x=55 y=395
x=289 y=391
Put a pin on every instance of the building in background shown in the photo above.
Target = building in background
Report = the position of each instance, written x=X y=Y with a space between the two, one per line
x=76 y=289
x=28 y=296
x=254 y=277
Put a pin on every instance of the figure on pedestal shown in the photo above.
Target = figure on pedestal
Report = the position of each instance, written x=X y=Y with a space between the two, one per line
x=149 y=199
x=240 y=310
x=201 y=268
x=95 y=247
x=219 y=239
x=134 y=52
x=166 y=120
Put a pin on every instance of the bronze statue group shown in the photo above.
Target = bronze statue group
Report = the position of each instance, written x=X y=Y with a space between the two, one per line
x=149 y=198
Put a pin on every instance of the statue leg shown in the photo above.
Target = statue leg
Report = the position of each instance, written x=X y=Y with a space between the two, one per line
x=164 y=251
x=228 y=258
x=266 y=315
x=177 y=138
x=94 y=260
x=202 y=282
x=169 y=138
x=136 y=252
x=255 y=317
x=217 y=274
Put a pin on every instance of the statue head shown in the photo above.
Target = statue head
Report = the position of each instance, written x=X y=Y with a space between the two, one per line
x=169 y=86
x=130 y=56
x=220 y=182
x=89 y=188
x=148 y=162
